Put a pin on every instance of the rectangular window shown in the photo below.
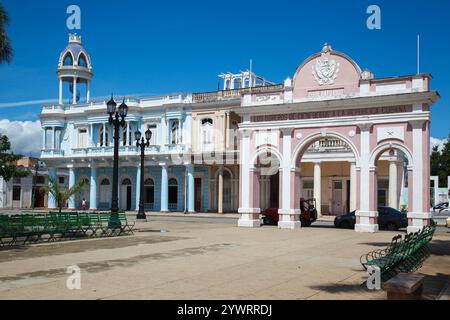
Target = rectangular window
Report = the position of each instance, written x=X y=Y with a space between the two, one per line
x=48 y=138
x=16 y=193
x=82 y=138
x=153 y=128
x=61 y=180
x=57 y=139
x=174 y=132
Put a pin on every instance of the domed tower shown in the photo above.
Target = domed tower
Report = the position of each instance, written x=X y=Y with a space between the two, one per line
x=74 y=72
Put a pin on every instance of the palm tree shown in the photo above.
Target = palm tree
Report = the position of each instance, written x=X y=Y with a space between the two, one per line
x=61 y=196
x=6 y=51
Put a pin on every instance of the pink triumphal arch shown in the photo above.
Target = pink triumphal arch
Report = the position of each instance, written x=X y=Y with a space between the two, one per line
x=334 y=116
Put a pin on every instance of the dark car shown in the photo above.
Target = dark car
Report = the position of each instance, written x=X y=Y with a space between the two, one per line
x=388 y=218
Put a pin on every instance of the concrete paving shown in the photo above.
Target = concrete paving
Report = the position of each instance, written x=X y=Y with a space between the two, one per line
x=200 y=260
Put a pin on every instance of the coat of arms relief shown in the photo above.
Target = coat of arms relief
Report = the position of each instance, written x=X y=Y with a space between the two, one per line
x=325 y=70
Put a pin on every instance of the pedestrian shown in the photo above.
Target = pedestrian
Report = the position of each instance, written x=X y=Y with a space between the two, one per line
x=83 y=204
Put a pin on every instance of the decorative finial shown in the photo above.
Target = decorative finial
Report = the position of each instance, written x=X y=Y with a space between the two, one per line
x=326 y=48
x=74 y=38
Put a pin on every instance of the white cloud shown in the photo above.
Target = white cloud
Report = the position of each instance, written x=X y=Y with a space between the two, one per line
x=437 y=142
x=27 y=103
x=25 y=136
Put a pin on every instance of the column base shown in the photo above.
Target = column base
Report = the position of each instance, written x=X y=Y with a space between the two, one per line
x=289 y=219
x=417 y=221
x=366 y=221
x=249 y=218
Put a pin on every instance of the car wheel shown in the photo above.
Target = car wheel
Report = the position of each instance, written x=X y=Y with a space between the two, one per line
x=391 y=226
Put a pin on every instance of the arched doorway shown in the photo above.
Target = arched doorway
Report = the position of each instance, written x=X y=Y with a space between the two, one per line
x=173 y=194
x=84 y=194
x=125 y=194
x=227 y=191
x=104 y=194
x=267 y=169
x=149 y=194
x=326 y=165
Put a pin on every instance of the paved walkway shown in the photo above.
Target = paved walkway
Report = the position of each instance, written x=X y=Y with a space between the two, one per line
x=194 y=260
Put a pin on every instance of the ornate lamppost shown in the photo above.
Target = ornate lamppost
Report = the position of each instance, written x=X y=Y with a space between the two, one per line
x=117 y=120
x=142 y=143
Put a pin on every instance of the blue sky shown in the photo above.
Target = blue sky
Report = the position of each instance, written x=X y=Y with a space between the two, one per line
x=144 y=47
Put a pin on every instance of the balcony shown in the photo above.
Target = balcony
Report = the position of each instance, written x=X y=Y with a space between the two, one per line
x=52 y=153
x=222 y=95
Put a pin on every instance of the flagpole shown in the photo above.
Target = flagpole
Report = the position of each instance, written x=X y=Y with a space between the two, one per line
x=418 y=53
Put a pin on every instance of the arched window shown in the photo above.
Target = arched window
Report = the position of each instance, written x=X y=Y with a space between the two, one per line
x=103 y=137
x=246 y=82
x=126 y=182
x=149 y=192
x=82 y=61
x=104 y=197
x=237 y=83
x=227 y=84
x=173 y=193
x=68 y=60
x=207 y=133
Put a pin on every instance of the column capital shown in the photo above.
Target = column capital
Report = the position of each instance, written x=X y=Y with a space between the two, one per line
x=317 y=162
x=417 y=124
x=365 y=126
x=286 y=131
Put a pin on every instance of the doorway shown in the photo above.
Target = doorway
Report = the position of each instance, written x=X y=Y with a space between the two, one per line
x=275 y=190
x=336 y=202
x=125 y=195
x=198 y=194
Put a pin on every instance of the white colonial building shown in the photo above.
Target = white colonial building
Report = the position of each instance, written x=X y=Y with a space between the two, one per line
x=332 y=132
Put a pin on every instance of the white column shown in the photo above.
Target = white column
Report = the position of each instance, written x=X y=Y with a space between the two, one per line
x=393 y=183
x=417 y=217
x=366 y=219
x=164 y=188
x=88 y=91
x=249 y=216
x=318 y=186
x=127 y=138
x=352 y=186
x=289 y=213
x=74 y=99
x=104 y=135
x=220 y=191
x=53 y=138
x=60 y=91
x=71 y=184
x=190 y=187
x=93 y=190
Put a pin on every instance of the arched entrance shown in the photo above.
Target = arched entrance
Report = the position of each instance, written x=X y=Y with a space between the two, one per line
x=85 y=193
x=125 y=194
x=104 y=201
x=149 y=194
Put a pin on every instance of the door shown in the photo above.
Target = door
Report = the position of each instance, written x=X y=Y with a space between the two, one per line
x=82 y=138
x=275 y=190
x=39 y=197
x=125 y=194
x=226 y=191
x=128 y=198
x=198 y=194
x=336 y=199
x=16 y=196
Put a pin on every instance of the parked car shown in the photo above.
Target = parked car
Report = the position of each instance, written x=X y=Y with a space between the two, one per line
x=388 y=218
x=440 y=209
x=307 y=216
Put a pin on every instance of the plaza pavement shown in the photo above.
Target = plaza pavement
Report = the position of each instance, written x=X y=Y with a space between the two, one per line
x=207 y=260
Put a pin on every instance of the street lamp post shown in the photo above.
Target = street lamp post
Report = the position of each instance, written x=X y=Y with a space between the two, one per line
x=117 y=120
x=142 y=143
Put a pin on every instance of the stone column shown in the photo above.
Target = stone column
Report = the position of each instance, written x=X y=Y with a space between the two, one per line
x=164 y=188
x=60 y=91
x=220 y=192
x=53 y=138
x=288 y=212
x=190 y=189
x=318 y=186
x=249 y=215
x=366 y=216
x=419 y=215
x=138 y=186
x=352 y=186
x=93 y=189
x=51 y=200
x=74 y=98
x=71 y=184
x=393 y=183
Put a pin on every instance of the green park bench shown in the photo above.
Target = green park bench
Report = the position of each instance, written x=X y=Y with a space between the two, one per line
x=403 y=255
